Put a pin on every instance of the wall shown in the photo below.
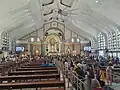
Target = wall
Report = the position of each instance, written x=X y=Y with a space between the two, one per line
x=53 y=28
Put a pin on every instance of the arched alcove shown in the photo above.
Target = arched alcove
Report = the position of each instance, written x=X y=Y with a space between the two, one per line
x=52 y=44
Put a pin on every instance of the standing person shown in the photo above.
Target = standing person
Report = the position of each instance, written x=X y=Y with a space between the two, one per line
x=90 y=75
x=102 y=77
x=66 y=67
x=109 y=75
x=81 y=76
x=84 y=66
x=3 y=59
x=90 y=72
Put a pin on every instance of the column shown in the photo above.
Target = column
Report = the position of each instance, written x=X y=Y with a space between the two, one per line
x=29 y=53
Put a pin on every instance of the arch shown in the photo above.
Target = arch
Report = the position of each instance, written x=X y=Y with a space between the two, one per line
x=53 y=44
x=63 y=37
x=57 y=29
x=53 y=35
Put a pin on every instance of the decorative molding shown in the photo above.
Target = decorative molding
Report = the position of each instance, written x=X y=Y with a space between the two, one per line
x=51 y=27
x=31 y=33
x=65 y=4
x=45 y=4
x=45 y=14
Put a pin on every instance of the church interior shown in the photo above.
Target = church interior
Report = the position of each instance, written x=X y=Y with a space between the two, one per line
x=59 y=45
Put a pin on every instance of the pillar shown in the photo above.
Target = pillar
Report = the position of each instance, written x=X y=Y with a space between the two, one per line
x=29 y=53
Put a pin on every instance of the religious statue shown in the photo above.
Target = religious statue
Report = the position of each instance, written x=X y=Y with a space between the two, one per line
x=52 y=44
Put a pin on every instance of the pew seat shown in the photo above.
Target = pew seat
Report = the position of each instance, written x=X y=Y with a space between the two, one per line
x=27 y=66
x=37 y=68
x=34 y=72
x=29 y=77
x=53 y=89
x=41 y=84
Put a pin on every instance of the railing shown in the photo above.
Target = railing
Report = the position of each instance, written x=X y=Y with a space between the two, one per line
x=85 y=83
x=72 y=77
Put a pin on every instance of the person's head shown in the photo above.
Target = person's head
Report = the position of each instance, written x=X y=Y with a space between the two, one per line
x=76 y=63
x=65 y=60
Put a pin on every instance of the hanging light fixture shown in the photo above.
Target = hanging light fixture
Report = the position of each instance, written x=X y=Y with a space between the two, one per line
x=78 y=40
x=38 y=39
x=72 y=39
x=32 y=39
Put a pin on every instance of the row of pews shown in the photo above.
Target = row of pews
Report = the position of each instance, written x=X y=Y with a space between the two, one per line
x=5 y=67
x=33 y=75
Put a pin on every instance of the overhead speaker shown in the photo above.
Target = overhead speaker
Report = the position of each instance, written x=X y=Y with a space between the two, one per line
x=46 y=49
x=59 y=34
x=46 y=33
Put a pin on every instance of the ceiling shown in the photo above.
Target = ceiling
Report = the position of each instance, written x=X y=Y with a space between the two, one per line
x=86 y=17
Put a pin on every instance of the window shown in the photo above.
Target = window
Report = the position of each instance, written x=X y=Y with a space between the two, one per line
x=93 y=44
x=5 y=41
x=118 y=39
x=101 y=41
x=112 y=41
x=119 y=55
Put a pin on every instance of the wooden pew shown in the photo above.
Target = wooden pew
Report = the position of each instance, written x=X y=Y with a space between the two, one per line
x=5 y=67
x=33 y=72
x=37 y=68
x=53 y=89
x=41 y=84
x=38 y=64
x=29 y=77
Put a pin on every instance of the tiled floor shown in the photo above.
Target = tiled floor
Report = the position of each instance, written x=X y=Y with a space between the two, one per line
x=116 y=86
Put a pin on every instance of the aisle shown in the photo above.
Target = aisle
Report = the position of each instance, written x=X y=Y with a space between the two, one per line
x=67 y=86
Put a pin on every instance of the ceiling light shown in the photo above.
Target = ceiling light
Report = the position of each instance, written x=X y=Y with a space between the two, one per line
x=32 y=39
x=38 y=39
x=26 y=10
x=117 y=29
x=72 y=39
x=96 y=1
x=78 y=40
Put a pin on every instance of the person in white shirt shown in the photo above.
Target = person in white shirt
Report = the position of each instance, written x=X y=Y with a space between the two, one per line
x=66 y=67
x=109 y=75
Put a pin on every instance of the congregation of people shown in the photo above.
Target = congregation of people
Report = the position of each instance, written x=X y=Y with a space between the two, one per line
x=97 y=69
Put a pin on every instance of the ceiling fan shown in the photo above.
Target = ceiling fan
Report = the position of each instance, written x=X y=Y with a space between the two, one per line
x=61 y=13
